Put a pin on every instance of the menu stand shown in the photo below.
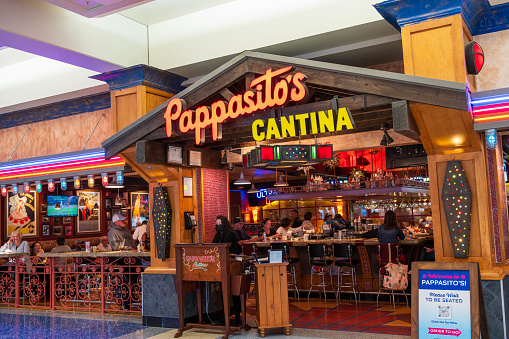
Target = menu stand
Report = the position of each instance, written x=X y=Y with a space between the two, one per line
x=197 y=263
x=272 y=309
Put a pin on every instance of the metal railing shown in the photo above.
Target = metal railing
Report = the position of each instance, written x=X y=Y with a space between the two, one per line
x=85 y=281
x=349 y=186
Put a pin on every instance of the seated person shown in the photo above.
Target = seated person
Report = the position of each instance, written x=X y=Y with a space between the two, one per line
x=285 y=229
x=16 y=244
x=79 y=245
x=61 y=248
x=267 y=229
x=240 y=232
x=36 y=250
x=307 y=225
x=339 y=222
x=104 y=246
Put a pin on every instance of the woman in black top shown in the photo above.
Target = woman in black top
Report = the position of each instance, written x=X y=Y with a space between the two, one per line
x=226 y=234
x=267 y=229
x=389 y=232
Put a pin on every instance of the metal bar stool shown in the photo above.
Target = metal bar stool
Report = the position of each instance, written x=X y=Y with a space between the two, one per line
x=320 y=266
x=292 y=263
x=345 y=263
x=388 y=253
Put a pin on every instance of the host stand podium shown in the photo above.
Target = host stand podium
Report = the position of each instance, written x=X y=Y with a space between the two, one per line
x=197 y=263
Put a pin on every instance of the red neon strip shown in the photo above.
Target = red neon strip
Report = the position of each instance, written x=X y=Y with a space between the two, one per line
x=488 y=109
x=73 y=169
x=60 y=165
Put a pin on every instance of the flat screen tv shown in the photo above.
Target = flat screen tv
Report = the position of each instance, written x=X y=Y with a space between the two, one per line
x=62 y=206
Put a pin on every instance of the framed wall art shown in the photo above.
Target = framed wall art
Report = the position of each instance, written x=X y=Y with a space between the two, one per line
x=188 y=186
x=140 y=208
x=21 y=214
x=45 y=230
x=57 y=230
x=89 y=216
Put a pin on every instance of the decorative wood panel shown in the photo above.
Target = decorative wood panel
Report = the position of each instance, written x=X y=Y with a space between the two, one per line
x=67 y=134
x=434 y=49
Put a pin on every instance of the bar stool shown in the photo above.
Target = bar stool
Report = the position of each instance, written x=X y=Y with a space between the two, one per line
x=388 y=253
x=345 y=264
x=320 y=266
x=292 y=263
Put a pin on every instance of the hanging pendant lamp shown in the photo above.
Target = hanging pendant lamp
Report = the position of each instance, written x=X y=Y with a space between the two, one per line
x=253 y=189
x=242 y=180
x=281 y=182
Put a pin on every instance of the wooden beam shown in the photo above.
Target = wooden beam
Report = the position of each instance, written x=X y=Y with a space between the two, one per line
x=150 y=152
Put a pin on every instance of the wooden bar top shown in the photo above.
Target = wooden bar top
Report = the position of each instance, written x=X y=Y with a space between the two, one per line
x=299 y=242
x=95 y=254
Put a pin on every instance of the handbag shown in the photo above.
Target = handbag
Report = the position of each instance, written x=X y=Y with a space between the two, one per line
x=396 y=277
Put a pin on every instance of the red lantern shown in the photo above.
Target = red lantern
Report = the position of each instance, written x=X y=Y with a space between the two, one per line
x=104 y=179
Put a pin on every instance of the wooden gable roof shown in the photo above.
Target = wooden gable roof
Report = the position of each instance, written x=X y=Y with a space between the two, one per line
x=368 y=93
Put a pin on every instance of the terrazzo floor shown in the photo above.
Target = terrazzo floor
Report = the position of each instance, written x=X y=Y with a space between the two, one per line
x=312 y=319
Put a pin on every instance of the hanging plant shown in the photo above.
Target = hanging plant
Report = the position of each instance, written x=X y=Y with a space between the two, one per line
x=333 y=163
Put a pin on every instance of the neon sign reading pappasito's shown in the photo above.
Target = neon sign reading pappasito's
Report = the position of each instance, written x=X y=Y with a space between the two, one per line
x=271 y=90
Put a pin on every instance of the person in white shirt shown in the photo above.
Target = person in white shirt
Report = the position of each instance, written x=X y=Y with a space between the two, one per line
x=285 y=229
x=104 y=246
x=140 y=230
x=16 y=244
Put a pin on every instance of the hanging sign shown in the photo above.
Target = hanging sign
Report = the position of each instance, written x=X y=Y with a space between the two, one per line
x=272 y=90
x=330 y=120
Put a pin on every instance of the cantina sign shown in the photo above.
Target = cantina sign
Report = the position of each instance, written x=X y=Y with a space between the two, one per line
x=272 y=90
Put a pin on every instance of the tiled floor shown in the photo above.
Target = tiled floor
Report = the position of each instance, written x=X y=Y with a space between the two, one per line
x=310 y=320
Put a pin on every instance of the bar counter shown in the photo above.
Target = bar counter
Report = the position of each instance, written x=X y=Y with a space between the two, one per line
x=366 y=251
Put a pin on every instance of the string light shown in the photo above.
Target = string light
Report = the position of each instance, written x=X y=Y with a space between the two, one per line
x=457 y=198
x=104 y=179
x=77 y=182
x=51 y=185
x=90 y=181
x=120 y=177
x=4 y=190
x=14 y=189
x=26 y=187
x=38 y=186
x=161 y=215
x=63 y=184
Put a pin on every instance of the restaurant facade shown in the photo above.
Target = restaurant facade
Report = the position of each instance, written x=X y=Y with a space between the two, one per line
x=173 y=137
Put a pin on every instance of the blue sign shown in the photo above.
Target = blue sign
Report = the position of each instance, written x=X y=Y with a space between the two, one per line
x=444 y=304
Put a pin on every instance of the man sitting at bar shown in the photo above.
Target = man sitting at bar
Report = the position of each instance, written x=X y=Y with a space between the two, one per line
x=61 y=248
x=295 y=218
x=104 y=246
x=119 y=235
x=79 y=246
x=16 y=244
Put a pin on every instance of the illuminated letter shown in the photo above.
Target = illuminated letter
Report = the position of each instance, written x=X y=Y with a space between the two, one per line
x=248 y=100
x=326 y=120
x=302 y=120
x=314 y=125
x=272 y=129
x=300 y=92
x=218 y=111
x=281 y=93
x=288 y=126
x=185 y=122
x=344 y=119
x=202 y=116
x=258 y=136
x=173 y=111
x=266 y=81
x=235 y=106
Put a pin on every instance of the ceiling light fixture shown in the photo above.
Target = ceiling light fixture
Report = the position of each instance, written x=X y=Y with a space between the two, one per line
x=242 y=180
x=386 y=139
x=253 y=189
x=281 y=182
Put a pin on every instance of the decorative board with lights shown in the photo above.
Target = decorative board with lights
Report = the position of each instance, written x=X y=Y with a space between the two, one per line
x=161 y=218
x=457 y=201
